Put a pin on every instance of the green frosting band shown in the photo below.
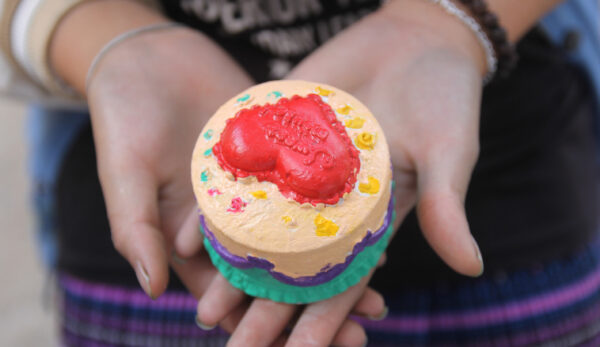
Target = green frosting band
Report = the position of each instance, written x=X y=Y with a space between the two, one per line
x=259 y=283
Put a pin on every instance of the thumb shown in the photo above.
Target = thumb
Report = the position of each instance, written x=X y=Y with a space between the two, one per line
x=442 y=187
x=131 y=200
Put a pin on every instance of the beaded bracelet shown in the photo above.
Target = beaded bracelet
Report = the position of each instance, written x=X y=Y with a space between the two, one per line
x=505 y=51
x=480 y=34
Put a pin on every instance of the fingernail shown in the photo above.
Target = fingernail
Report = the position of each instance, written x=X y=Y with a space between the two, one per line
x=203 y=326
x=177 y=258
x=478 y=255
x=381 y=316
x=144 y=279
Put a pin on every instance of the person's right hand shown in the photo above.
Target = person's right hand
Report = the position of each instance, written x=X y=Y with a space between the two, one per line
x=149 y=99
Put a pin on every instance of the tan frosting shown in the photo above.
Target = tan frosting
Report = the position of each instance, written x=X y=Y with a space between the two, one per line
x=279 y=229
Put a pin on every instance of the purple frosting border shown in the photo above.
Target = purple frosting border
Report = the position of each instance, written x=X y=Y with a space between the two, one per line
x=325 y=275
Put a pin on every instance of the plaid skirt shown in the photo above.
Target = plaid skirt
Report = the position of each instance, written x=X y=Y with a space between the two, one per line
x=554 y=304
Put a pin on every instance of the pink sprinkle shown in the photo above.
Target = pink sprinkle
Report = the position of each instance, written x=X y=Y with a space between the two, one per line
x=237 y=205
x=214 y=191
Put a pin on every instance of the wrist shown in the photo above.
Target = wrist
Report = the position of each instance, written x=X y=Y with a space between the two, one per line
x=87 y=28
x=434 y=29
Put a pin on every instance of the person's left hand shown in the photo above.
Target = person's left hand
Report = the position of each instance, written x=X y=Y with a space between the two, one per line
x=421 y=77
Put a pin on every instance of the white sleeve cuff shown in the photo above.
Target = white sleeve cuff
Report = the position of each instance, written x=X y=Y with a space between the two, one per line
x=23 y=16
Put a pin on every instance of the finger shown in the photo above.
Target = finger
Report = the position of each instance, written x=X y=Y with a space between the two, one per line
x=234 y=318
x=131 y=201
x=264 y=321
x=280 y=341
x=442 y=187
x=351 y=334
x=218 y=301
x=320 y=321
x=370 y=305
x=382 y=260
x=196 y=273
x=189 y=239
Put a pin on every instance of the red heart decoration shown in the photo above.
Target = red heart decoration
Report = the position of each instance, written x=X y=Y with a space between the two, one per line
x=298 y=144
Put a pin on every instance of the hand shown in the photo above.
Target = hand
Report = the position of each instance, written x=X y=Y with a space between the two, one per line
x=149 y=98
x=423 y=83
x=419 y=70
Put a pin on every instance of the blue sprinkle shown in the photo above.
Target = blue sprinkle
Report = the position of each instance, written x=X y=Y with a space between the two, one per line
x=208 y=134
x=275 y=94
x=245 y=97
x=208 y=152
x=204 y=176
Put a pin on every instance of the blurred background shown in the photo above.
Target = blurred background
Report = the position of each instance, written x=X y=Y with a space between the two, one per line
x=26 y=312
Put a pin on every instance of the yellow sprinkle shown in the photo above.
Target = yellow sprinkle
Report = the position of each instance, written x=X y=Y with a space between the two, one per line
x=365 y=141
x=344 y=110
x=325 y=227
x=259 y=194
x=286 y=219
x=324 y=92
x=355 y=123
x=369 y=188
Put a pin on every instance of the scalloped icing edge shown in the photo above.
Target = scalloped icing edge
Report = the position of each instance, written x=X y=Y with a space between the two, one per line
x=259 y=283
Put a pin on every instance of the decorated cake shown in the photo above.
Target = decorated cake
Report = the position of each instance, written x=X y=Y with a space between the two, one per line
x=293 y=183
